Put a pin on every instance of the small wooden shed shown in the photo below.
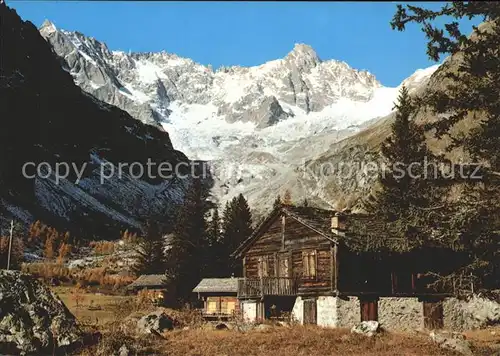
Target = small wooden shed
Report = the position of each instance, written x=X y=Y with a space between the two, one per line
x=155 y=284
x=219 y=296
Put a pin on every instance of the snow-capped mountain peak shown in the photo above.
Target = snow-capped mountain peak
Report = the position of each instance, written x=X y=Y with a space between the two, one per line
x=303 y=56
x=47 y=28
x=261 y=118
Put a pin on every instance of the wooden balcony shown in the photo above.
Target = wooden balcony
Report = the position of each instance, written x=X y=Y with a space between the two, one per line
x=260 y=287
x=217 y=315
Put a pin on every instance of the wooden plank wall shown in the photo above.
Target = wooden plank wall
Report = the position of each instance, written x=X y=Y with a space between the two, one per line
x=298 y=238
x=222 y=302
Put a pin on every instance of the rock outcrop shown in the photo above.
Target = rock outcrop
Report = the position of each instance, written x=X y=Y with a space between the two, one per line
x=48 y=120
x=33 y=320
x=144 y=84
x=155 y=323
x=368 y=328
x=452 y=341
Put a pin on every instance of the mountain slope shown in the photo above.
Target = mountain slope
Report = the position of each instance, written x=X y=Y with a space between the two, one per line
x=47 y=119
x=257 y=126
x=364 y=146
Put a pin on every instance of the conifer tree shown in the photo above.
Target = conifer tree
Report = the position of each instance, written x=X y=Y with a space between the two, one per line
x=236 y=227
x=214 y=256
x=189 y=244
x=473 y=88
x=150 y=257
x=404 y=152
x=214 y=228
x=403 y=180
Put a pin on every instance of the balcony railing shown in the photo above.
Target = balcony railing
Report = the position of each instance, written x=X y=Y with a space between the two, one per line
x=260 y=287
x=219 y=314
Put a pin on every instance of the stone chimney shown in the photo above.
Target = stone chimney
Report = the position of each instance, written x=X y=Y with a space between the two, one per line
x=339 y=224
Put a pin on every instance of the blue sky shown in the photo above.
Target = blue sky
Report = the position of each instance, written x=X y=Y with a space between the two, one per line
x=246 y=33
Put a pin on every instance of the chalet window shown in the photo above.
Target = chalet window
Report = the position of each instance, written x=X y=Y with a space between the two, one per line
x=227 y=307
x=231 y=307
x=283 y=266
x=309 y=264
x=403 y=282
x=263 y=266
x=211 y=307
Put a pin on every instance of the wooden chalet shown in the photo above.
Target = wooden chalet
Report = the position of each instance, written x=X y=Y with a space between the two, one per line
x=219 y=296
x=304 y=252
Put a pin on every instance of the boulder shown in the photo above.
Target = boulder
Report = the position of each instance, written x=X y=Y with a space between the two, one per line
x=368 y=328
x=221 y=326
x=32 y=318
x=155 y=323
x=124 y=351
x=451 y=341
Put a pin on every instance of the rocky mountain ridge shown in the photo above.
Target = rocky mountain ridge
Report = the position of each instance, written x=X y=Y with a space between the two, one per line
x=48 y=120
x=257 y=126
x=300 y=79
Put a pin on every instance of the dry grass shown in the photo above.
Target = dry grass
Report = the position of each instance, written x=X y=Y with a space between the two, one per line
x=97 y=277
x=486 y=341
x=295 y=341
x=111 y=307
x=116 y=319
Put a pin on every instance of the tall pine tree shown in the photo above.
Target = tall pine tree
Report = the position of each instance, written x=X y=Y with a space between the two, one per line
x=189 y=244
x=471 y=90
x=215 y=254
x=236 y=227
x=150 y=258
x=403 y=180
x=404 y=153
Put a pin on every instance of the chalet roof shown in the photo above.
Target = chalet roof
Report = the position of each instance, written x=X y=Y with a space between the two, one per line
x=316 y=219
x=217 y=285
x=363 y=232
x=149 y=280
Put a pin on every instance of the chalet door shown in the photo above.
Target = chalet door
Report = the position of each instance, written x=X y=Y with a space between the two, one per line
x=310 y=311
x=369 y=310
x=433 y=315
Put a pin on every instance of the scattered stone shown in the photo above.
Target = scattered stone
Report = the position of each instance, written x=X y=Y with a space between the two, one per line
x=32 y=318
x=155 y=323
x=124 y=351
x=221 y=326
x=452 y=341
x=368 y=328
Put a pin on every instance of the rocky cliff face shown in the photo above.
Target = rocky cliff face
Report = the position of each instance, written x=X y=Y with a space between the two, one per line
x=262 y=128
x=47 y=120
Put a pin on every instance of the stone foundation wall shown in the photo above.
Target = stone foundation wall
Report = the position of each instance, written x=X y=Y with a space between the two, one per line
x=396 y=314
x=330 y=311
x=249 y=310
x=348 y=312
x=460 y=315
x=298 y=311
x=400 y=314
x=326 y=312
